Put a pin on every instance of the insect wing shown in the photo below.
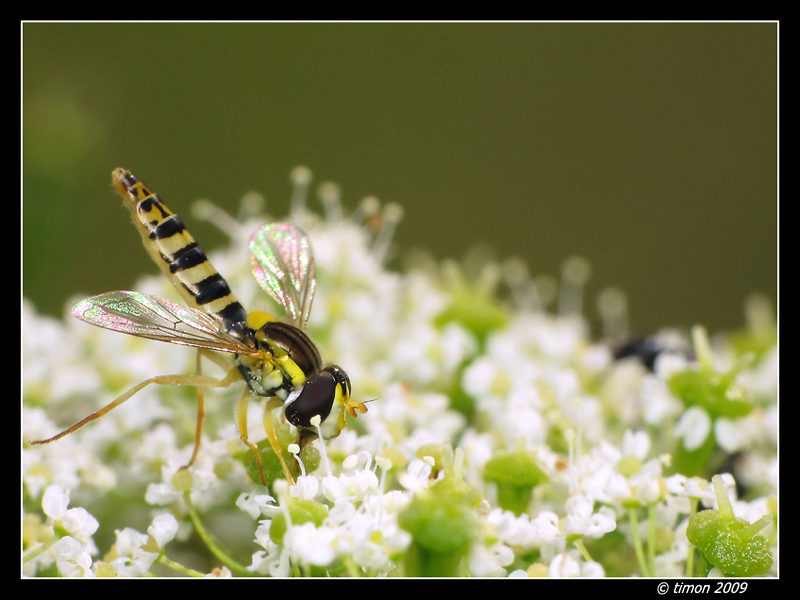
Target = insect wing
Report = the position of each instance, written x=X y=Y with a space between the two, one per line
x=283 y=264
x=155 y=318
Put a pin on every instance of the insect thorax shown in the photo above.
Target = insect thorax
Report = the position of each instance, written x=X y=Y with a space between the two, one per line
x=288 y=358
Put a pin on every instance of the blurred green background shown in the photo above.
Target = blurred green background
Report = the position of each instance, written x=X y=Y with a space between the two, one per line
x=649 y=149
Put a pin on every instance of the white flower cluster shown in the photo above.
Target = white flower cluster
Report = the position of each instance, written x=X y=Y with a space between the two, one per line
x=441 y=361
x=131 y=556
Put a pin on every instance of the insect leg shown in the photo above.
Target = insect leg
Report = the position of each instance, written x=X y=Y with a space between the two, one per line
x=201 y=406
x=201 y=413
x=241 y=420
x=193 y=380
x=269 y=427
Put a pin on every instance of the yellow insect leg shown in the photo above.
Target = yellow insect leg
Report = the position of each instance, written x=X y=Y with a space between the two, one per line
x=199 y=381
x=201 y=411
x=269 y=427
x=201 y=406
x=241 y=421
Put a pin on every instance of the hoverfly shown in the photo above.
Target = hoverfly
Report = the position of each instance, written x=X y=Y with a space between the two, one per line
x=276 y=359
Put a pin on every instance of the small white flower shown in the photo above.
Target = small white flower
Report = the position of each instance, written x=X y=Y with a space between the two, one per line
x=517 y=531
x=617 y=487
x=755 y=470
x=333 y=488
x=442 y=351
x=133 y=560
x=668 y=363
x=161 y=494
x=256 y=505
x=582 y=520
x=305 y=487
x=72 y=558
x=647 y=481
x=416 y=476
x=76 y=521
x=200 y=479
x=657 y=401
x=163 y=529
x=733 y=435
x=518 y=574
x=592 y=570
x=136 y=565
x=546 y=527
x=490 y=561
x=312 y=545
x=79 y=523
x=563 y=565
x=343 y=510
x=128 y=540
x=636 y=443
x=55 y=502
x=693 y=427
x=690 y=487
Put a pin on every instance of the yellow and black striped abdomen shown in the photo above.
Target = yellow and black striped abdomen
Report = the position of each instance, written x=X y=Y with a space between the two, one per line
x=177 y=253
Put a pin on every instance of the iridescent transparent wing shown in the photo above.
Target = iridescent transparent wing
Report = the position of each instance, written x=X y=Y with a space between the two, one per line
x=158 y=319
x=283 y=264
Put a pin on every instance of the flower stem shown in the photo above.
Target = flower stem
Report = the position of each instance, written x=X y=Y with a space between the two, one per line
x=34 y=553
x=179 y=567
x=693 y=502
x=651 y=537
x=213 y=545
x=752 y=529
x=637 y=542
x=723 y=502
x=702 y=348
x=582 y=549
x=353 y=570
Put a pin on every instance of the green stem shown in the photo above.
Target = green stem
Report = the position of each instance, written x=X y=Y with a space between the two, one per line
x=210 y=541
x=34 y=553
x=723 y=502
x=582 y=549
x=637 y=542
x=651 y=537
x=752 y=529
x=179 y=567
x=702 y=348
x=693 y=502
x=353 y=570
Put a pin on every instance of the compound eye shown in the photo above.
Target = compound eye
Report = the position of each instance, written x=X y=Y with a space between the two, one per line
x=316 y=398
x=341 y=378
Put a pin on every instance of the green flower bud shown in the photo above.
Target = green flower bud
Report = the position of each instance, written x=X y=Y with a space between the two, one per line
x=515 y=474
x=443 y=524
x=729 y=543
x=474 y=304
x=714 y=393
